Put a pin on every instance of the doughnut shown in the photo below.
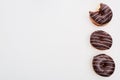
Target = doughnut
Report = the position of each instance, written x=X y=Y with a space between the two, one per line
x=102 y=16
x=101 y=40
x=103 y=65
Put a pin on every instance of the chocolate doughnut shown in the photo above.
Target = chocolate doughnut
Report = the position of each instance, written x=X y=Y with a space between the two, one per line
x=102 y=16
x=103 y=65
x=101 y=40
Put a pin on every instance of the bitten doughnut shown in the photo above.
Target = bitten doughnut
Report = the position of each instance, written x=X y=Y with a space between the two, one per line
x=102 y=16
x=103 y=65
x=101 y=40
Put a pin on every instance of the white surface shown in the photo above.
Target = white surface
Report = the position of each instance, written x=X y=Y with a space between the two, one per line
x=49 y=39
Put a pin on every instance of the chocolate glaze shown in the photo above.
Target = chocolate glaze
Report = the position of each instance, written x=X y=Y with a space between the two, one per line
x=101 y=40
x=103 y=16
x=103 y=65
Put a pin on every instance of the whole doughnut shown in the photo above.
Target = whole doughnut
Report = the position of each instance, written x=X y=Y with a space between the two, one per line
x=101 y=40
x=103 y=65
x=102 y=16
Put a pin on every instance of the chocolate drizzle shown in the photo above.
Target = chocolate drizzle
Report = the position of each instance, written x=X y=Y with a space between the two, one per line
x=103 y=16
x=103 y=65
x=101 y=40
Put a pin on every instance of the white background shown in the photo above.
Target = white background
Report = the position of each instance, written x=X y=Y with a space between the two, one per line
x=49 y=39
